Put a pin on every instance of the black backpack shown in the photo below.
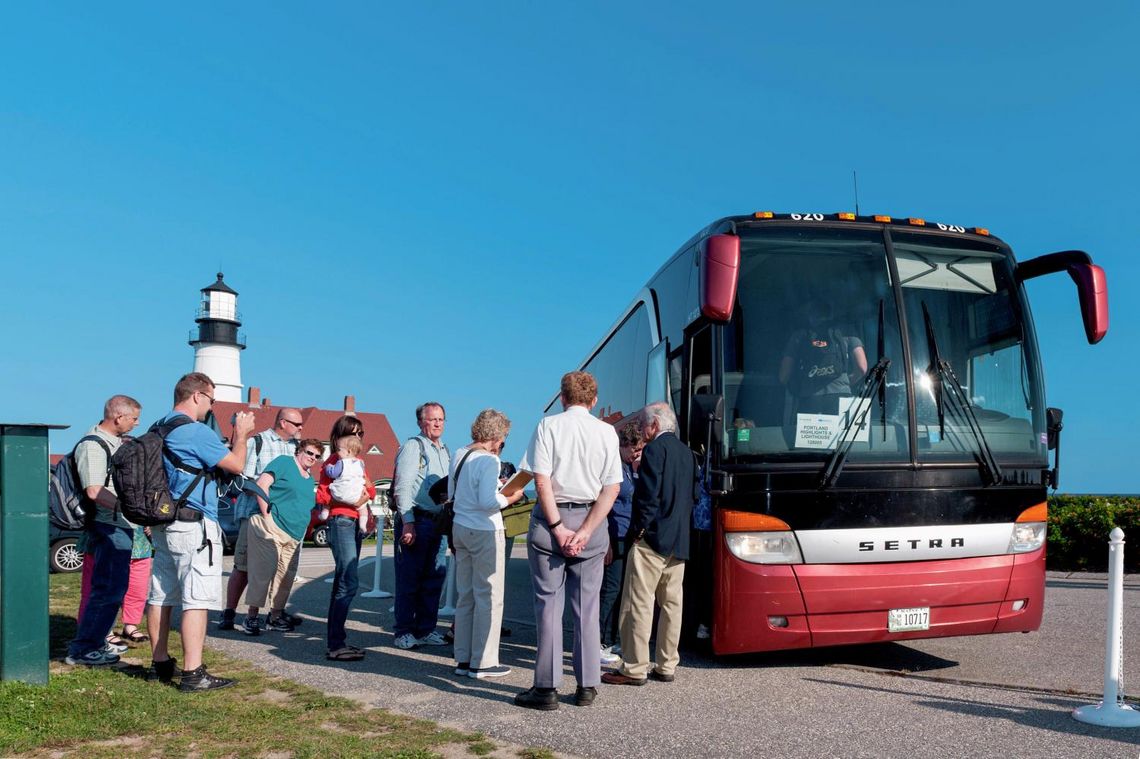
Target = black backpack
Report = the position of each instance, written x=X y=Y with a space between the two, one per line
x=821 y=358
x=69 y=508
x=140 y=477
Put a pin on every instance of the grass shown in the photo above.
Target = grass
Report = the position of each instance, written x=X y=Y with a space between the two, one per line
x=113 y=712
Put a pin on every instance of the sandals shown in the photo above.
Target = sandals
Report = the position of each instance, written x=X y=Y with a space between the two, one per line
x=134 y=636
x=115 y=640
x=347 y=653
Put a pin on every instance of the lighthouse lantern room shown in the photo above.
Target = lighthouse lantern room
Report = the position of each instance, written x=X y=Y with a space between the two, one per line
x=217 y=342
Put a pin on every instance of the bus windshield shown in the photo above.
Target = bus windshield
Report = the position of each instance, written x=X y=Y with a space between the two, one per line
x=817 y=310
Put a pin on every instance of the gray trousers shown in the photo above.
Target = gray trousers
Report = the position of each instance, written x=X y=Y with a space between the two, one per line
x=555 y=576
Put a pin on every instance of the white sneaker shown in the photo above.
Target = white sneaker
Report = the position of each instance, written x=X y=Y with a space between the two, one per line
x=97 y=658
x=486 y=672
x=406 y=641
x=703 y=632
x=432 y=639
x=609 y=658
x=115 y=648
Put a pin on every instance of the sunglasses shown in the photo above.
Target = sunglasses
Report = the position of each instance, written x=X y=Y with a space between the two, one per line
x=298 y=425
x=314 y=454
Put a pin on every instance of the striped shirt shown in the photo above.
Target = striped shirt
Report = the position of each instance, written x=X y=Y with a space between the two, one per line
x=93 y=467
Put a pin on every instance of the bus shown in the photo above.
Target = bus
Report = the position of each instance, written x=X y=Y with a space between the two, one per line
x=867 y=400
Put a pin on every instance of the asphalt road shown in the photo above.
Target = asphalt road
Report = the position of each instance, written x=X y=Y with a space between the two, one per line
x=998 y=695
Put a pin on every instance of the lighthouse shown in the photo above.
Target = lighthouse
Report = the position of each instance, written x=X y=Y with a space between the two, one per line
x=217 y=343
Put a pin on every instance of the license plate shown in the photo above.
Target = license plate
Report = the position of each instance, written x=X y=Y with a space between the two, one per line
x=908 y=620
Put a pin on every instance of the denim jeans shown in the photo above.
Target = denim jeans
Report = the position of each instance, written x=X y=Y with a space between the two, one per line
x=344 y=540
x=421 y=569
x=111 y=548
x=610 y=604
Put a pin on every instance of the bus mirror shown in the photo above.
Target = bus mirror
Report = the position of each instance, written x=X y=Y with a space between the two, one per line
x=1053 y=425
x=720 y=269
x=1092 y=286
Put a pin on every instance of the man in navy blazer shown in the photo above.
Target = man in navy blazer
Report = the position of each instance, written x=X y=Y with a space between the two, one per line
x=663 y=499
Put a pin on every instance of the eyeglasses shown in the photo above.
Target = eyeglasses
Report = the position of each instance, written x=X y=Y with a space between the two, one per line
x=314 y=454
x=298 y=425
x=357 y=433
x=208 y=396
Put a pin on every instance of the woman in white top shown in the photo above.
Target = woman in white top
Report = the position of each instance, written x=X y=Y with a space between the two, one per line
x=480 y=555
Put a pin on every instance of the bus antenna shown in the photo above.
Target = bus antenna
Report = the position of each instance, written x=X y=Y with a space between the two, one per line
x=855 y=179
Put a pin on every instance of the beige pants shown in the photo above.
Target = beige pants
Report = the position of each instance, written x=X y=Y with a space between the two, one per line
x=649 y=575
x=272 y=563
x=480 y=568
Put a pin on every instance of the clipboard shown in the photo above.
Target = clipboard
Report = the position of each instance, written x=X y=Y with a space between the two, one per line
x=516 y=483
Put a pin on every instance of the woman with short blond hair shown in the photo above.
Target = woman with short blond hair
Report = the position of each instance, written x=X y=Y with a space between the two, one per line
x=480 y=551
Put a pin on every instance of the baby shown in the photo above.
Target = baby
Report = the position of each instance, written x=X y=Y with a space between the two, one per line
x=348 y=478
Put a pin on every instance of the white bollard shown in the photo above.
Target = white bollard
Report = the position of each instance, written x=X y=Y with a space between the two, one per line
x=376 y=592
x=1112 y=711
x=449 y=593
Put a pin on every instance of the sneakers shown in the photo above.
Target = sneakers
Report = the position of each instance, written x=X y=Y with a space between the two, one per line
x=462 y=668
x=292 y=619
x=251 y=625
x=97 y=658
x=703 y=632
x=405 y=641
x=280 y=624
x=609 y=658
x=433 y=638
x=115 y=648
x=163 y=671
x=487 y=672
x=227 y=620
x=199 y=679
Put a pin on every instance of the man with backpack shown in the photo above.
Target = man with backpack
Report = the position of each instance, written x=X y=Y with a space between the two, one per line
x=109 y=535
x=421 y=559
x=187 y=569
x=280 y=440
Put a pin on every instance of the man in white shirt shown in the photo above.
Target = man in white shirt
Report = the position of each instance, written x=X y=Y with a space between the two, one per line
x=577 y=473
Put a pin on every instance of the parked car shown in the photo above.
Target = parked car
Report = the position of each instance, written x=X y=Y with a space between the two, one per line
x=318 y=531
x=63 y=555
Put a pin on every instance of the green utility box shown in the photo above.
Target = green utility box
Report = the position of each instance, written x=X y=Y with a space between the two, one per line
x=24 y=551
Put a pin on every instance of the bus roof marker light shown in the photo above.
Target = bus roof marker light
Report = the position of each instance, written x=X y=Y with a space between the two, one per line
x=846 y=216
x=763 y=215
x=882 y=219
x=917 y=222
x=981 y=231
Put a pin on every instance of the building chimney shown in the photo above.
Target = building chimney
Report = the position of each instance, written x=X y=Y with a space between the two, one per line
x=265 y=403
x=350 y=404
x=254 y=397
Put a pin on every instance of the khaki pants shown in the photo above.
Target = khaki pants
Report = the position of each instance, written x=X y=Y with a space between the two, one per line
x=479 y=573
x=272 y=563
x=650 y=575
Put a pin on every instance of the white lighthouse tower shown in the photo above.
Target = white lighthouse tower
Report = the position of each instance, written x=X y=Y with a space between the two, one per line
x=217 y=344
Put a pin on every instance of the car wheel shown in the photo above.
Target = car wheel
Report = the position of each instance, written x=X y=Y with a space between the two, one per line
x=65 y=557
x=321 y=535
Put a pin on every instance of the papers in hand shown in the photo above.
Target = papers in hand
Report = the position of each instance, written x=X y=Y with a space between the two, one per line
x=516 y=483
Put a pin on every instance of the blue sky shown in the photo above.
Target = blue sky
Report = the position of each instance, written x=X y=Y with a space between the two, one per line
x=454 y=201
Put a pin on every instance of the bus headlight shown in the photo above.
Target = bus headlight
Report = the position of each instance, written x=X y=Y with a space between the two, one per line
x=1026 y=537
x=765 y=547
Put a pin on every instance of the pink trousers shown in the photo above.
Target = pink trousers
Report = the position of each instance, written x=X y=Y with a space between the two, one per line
x=134 y=602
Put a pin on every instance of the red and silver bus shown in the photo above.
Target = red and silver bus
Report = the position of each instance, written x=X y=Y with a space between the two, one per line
x=868 y=399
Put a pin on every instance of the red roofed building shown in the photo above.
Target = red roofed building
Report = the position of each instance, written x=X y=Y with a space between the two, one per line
x=380 y=443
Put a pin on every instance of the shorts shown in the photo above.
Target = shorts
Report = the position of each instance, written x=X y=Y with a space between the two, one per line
x=241 y=547
x=184 y=572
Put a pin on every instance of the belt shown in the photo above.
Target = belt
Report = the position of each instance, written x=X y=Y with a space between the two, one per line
x=187 y=514
x=571 y=505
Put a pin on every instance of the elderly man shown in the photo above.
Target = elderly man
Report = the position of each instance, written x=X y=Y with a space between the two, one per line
x=109 y=536
x=577 y=473
x=421 y=557
x=280 y=440
x=663 y=499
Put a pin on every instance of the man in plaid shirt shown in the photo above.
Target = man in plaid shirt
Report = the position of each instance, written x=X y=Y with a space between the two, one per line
x=267 y=445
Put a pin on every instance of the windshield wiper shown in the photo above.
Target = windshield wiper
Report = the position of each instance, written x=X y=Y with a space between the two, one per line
x=940 y=371
x=856 y=413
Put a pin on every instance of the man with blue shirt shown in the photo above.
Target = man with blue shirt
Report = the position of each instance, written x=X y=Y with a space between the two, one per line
x=187 y=569
x=421 y=558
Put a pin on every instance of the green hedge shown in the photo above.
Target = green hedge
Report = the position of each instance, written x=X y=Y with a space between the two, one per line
x=1079 y=527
